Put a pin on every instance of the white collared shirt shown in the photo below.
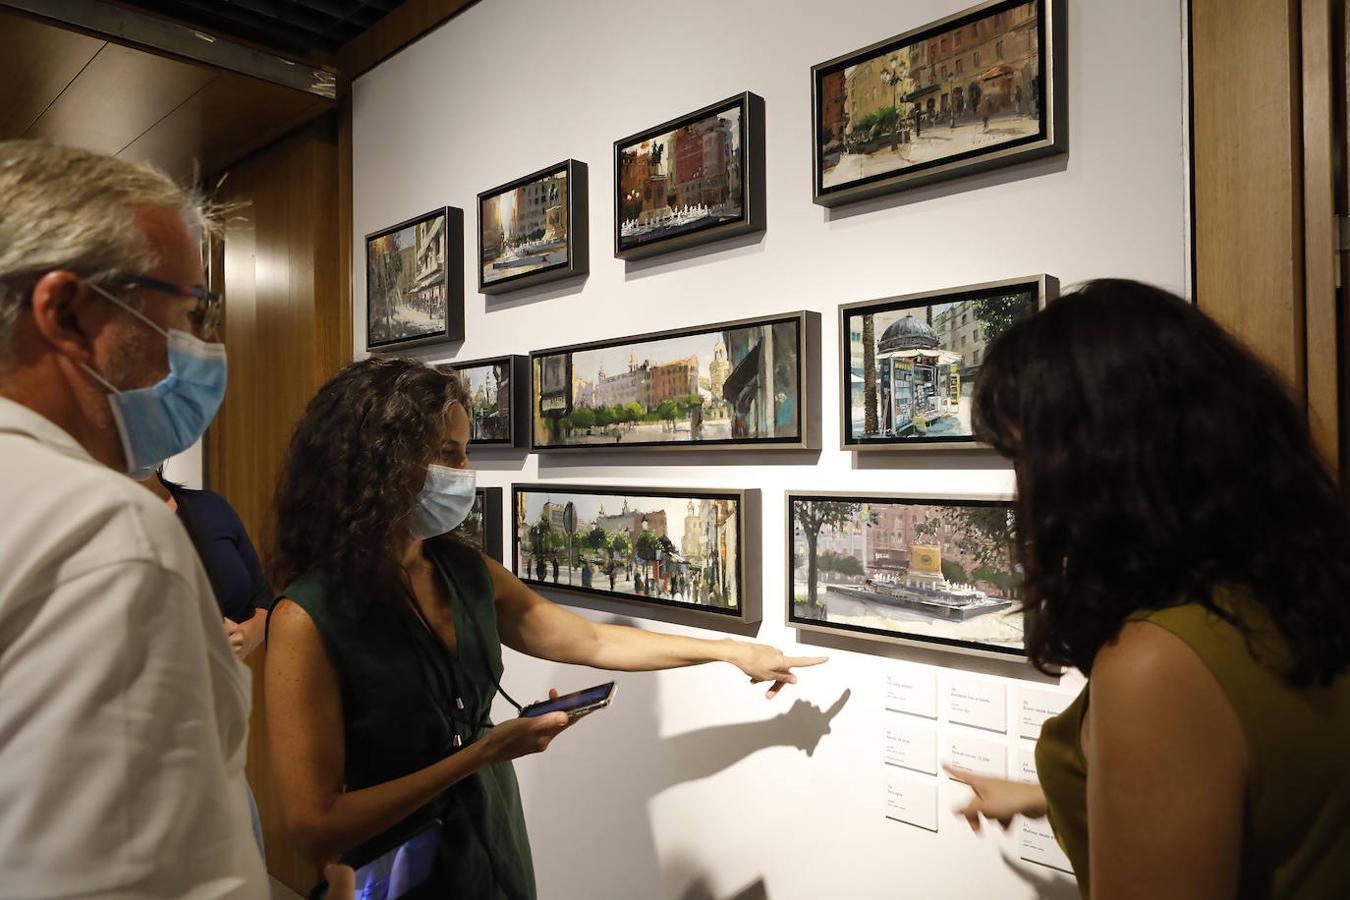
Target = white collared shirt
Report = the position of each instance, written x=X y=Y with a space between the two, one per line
x=123 y=711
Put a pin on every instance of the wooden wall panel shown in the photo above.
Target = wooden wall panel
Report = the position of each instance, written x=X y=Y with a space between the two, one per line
x=37 y=63
x=1248 y=176
x=145 y=86
x=288 y=329
x=1321 y=261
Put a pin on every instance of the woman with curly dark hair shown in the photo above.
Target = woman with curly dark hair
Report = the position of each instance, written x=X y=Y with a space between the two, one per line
x=1184 y=548
x=385 y=651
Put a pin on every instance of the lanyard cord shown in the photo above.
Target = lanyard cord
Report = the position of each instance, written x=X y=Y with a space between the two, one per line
x=448 y=685
x=473 y=623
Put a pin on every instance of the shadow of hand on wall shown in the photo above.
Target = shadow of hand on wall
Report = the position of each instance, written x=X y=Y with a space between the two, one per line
x=700 y=890
x=707 y=751
x=1047 y=883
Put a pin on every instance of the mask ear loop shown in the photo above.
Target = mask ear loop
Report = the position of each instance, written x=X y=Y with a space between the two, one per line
x=127 y=307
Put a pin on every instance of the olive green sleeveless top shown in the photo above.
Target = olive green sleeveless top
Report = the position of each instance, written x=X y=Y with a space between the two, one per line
x=1296 y=837
x=400 y=685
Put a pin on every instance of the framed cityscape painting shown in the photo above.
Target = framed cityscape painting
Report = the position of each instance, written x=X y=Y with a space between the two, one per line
x=925 y=571
x=684 y=548
x=910 y=364
x=415 y=281
x=977 y=90
x=691 y=180
x=499 y=396
x=533 y=230
x=746 y=384
x=482 y=529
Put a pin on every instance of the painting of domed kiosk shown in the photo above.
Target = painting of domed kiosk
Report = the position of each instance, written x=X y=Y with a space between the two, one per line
x=911 y=362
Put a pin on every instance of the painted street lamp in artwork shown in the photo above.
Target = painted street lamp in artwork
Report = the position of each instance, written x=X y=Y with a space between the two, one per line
x=891 y=75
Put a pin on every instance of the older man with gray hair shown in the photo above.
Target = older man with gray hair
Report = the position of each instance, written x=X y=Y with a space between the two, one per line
x=123 y=711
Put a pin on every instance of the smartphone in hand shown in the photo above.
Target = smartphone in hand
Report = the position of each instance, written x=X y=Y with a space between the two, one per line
x=575 y=704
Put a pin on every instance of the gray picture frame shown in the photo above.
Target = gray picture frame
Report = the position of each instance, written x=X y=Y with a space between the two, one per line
x=1046 y=288
x=1051 y=139
x=753 y=216
x=808 y=388
x=578 y=230
x=860 y=633
x=518 y=420
x=452 y=329
x=748 y=550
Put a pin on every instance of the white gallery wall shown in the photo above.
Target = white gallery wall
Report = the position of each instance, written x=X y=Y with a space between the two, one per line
x=693 y=786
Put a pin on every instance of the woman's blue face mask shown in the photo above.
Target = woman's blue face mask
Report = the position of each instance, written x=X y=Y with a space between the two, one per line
x=444 y=502
x=160 y=421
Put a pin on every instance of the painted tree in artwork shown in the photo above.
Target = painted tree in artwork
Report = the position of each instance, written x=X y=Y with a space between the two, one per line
x=869 y=334
x=998 y=314
x=812 y=516
x=386 y=272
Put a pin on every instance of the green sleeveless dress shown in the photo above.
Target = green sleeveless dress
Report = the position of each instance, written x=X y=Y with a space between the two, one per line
x=1296 y=834
x=399 y=685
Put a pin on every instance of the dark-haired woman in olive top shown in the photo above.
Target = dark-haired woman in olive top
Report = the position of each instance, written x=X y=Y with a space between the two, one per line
x=1183 y=547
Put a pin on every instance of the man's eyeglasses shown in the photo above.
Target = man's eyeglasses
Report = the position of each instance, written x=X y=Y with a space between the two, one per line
x=205 y=314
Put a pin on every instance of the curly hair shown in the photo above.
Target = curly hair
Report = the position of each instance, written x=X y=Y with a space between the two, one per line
x=356 y=463
x=1157 y=460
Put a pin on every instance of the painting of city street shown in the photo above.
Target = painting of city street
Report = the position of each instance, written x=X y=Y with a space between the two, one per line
x=911 y=363
x=966 y=90
x=482 y=528
x=677 y=548
x=490 y=385
x=690 y=180
x=414 y=289
x=934 y=571
x=533 y=230
x=737 y=383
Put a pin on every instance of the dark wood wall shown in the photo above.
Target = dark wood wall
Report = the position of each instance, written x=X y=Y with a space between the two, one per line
x=1267 y=122
x=288 y=329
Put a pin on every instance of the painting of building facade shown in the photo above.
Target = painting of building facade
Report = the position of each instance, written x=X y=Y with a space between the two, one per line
x=938 y=571
x=911 y=363
x=730 y=384
x=533 y=230
x=689 y=180
x=490 y=385
x=413 y=275
x=967 y=88
x=672 y=548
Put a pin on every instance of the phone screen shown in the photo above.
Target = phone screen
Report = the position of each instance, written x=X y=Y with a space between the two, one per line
x=569 y=702
x=400 y=870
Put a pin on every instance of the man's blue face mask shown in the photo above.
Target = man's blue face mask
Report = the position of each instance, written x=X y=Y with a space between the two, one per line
x=160 y=421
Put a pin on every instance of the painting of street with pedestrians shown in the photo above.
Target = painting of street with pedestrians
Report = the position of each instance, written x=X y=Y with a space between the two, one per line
x=672 y=548
x=414 y=293
x=736 y=383
x=964 y=89
x=911 y=363
x=937 y=571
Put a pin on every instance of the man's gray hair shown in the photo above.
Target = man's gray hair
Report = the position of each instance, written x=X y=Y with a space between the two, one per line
x=67 y=209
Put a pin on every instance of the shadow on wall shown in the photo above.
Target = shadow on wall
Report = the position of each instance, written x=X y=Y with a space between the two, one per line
x=595 y=783
x=699 y=890
x=1047 y=883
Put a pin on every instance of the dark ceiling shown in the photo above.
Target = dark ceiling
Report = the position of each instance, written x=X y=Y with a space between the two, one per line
x=298 y=27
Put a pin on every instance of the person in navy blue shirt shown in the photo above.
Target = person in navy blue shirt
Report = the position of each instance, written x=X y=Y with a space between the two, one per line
x=228 y=556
